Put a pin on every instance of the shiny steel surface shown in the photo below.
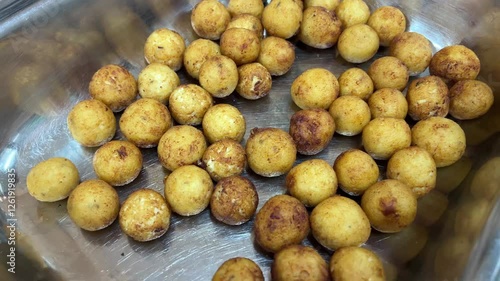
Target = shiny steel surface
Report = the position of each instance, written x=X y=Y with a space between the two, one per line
x=49 y=51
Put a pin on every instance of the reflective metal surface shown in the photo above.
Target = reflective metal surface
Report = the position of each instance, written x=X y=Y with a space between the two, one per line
x=49 y=51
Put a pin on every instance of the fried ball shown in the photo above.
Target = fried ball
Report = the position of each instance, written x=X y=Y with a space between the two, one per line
x=271 y=152
x=188 y=190
x=144 y=215
x=281 y=222
x=282 y=18
x=297 y=262
x=315 y=88
x=209 y=19
x=471 y=217
x=383 y=136
x=52 y=180
x=352 y=12
x=144 y=122
x=157 y=81
x=442 y=138
x=320 y=28
x=247 y=21
x=388 y=22
x=165 y=46
x=252 y=7
x=470 y=99
x=91 y=123
x=339 y=222
x=240 y=44
x=413 y=49
x=358 y=43
x=117 y=162
x=189 y=103
x=485 y=184
x=254 y=81
x=219 y=76
x=455 y=63
x=311 y=182
x=234 y=200
x=223 y=121
x=199 y=51
x=114 y=86
x=239 y=269
x=356 y=263
x=351 y=114
x=356 y=82
x=277 y=55
x=356 y=171
x=388 y=102
x=181 y=145
x=389 y=72
x=93 y=205
x=224 y=158
x=427 y=97
x=452 y=253
x=311 y=130
x=329 y=4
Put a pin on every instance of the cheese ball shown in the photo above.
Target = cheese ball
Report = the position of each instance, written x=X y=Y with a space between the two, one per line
x=389 y=72
x=157 y=81
x=219 y=76
x=350 y=114
x=199 y=51
x=454 y=252
x=383 y=136
x=282 y=18
x=315 y=88
x=355 y=82
x=311 y=130
x=328 y=4
x=352 y=12
x=189 y=103
x=281 y=222
x=442 y=138
x=277 y=55
x=356 y=171
x=356 y=263
x=117 y=162
x=485 y=185
x=339 y=222
x=471 y=217
x=252 y=7
x=181 y=145
x=358 y=43
x=247 y=21
x=188 y=190
x=388 y=102
x=91 y=123
x=296 y=262
x=145 y=215
x=271 y=152
x=320 y=28
x=239 y=269
x=234 y=200
x=165 y=46
x=254 y=81
x=413 y=49
x=223 y=121
x=144 y=122
x=209 y=19
x=52 y=180
x=470 y=99
x=455 y=63
x=427 y=97
x=388 y=22
x=311 y=182
x=114 y=86
x=240 y=44
x=224 y=158
x=93 y=205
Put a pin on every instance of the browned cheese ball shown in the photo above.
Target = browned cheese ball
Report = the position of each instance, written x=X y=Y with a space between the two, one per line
x=277 y=55
x=271 y=152
x=320 y=28
x=390 y=205
x=442 y=138
x=427 y=97
x=351 y=114
x=413 y=49
x=485 y=184
x=239 y=269
x=157 y=81
x=383 y=136
x=311 y=130
x=247 y=21
x=455 y=63
x=282 y=18
x=209 y=19
x=329 y=4
x=223 y=121
x=181 y=145
x=315 y=88
x=356 y=263
x=389 y=72
x=165 y=46
x=297 y=262
x=219 y=76
x=254 y=82
x=355 y=82
x=117 y=162
x=144 y=122
x=114 y=86
x=189 y=103
x=224 y=158
x=252 y=7
x=281 y=222
x=358 y=43
x=356 y=171
x=388 y=22
x=470 y=99
x=240 y=44
x=199 y=51
x=234 y=200
x=352 y=12
x=388 y=103
x=339 y=222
